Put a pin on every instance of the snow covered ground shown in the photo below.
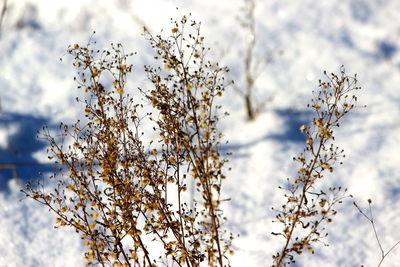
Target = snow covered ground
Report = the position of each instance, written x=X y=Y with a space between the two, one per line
x=302 y=38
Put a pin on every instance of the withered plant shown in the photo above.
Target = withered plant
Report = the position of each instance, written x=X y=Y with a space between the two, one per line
x=3 y=13
x=308 y=207
x=129 y=199
x=370 y=218
x=253 y=66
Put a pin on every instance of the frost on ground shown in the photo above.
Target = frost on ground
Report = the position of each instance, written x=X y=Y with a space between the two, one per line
x=36 y=88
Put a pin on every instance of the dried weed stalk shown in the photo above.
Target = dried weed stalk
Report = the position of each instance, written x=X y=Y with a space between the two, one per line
x=307 y=208
x=253 y=67
x=126 y=198
x=370 y=218
x=3 y=14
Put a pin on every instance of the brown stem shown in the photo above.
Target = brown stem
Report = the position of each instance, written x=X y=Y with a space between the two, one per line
x=283 y=253
x=2 y=14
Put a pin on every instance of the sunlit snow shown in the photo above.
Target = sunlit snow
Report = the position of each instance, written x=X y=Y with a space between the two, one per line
x=296 y=42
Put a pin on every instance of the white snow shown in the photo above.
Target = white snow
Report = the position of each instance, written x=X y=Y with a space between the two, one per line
x=313 y=35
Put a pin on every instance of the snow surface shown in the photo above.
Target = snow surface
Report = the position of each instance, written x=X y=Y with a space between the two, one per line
x=363 y=35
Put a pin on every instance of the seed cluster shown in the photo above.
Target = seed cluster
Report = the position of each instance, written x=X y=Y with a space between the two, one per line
x=124 y=196
x=307 y=207
x=147 y=203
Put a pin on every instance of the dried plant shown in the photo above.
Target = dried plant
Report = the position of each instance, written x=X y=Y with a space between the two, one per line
x=253 y=67
x=3 y=13
x=307 y=207
x=127 y=198
x=370 y=218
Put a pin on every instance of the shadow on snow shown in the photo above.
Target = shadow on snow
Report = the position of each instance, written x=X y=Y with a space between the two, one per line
x=22 y=143
x=290 y=133
x=16 y=158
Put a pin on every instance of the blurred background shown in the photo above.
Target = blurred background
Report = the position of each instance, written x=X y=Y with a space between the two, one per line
x=282 y=47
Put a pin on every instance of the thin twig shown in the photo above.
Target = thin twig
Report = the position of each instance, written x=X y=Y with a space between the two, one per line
x=3 y=12
x=371 y=220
